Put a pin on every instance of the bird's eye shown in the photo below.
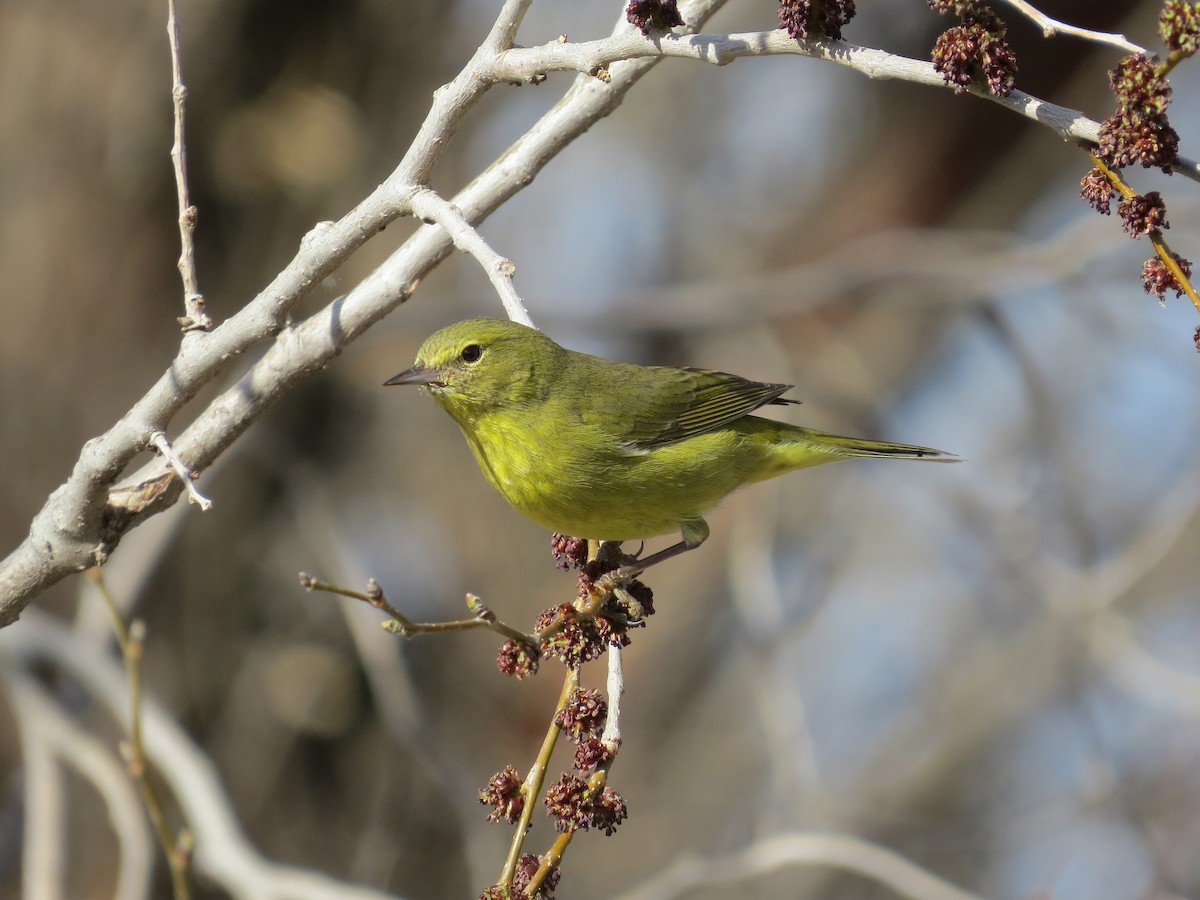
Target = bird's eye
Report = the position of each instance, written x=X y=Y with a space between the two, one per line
x=471 y=353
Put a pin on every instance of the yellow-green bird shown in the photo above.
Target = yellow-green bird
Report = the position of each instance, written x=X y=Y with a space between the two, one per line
x=609 y=450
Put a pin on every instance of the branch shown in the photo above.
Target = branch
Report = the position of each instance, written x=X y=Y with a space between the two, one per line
x=195 y=318
x=432 y=208
x=721 y=49
x=1050 y=27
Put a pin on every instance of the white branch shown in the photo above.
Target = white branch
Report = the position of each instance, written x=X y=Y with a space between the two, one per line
x=186 y=475
x=615 y=688
x=720 y=49
x=1050 y=27
x=432 y=208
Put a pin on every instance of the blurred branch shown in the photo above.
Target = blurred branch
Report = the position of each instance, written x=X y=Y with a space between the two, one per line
x=177 y=849
x=48 y=739
x=223 y=852
x=800 y=848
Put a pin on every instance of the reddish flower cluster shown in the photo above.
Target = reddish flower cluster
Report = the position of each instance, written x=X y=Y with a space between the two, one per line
x=591 y=753
x=1143 y=213
x=1157 y=277
x=576 y=806
x=503 y=792
x=527 y=865
x=573 y=638
x=1097 y=190
x=653 y=15
x=583 y=716
x=1179 y=25
x=516 y=659
x=806 y=19
x=1138 y=131
x=976 y=47
x=569 y=552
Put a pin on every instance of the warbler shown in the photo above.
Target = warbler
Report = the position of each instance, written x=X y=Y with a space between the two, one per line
x=613 y=451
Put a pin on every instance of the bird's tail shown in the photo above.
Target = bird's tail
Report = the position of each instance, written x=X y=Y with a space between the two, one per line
x=839 y=445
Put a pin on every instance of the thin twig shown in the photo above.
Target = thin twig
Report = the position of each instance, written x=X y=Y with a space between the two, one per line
x=163 y=445
x=1050 y=27
x=532 y=786
x=131 y=639
x=611 y=738
x=196 y=318
x=432 y=208
x=1155 y=235
x=482 y=614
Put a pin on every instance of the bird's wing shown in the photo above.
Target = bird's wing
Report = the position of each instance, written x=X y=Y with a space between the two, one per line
x=663 y=405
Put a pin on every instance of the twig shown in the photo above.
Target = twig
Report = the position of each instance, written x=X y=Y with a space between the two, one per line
x=176 y=848
x=196 y=318
x=482 y=614
x=432 y=208
x=611 y=738
x=160 y=442
x=532 y=786
x=1155 y=234
x=1050 y=27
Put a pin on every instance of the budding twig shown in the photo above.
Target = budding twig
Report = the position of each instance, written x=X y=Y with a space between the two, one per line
x=196 y=318
x=482 y=615
x=131 y=640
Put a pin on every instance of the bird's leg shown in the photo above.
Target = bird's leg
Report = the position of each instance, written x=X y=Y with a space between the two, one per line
x=693 y=532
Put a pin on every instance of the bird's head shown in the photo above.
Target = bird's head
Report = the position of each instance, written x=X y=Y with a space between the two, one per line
x=481 y=365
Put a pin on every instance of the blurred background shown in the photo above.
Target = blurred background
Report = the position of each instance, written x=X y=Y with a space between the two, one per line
x=990 y=668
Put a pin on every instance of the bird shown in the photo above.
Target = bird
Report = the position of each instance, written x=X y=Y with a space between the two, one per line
x=614 y=451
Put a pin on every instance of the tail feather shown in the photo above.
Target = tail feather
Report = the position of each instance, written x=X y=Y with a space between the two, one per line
x=848 y=446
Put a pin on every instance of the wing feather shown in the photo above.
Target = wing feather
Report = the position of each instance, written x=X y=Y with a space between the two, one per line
x=663 y=405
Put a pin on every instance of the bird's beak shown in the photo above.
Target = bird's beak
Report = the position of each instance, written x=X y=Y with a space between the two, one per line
x=418 y=374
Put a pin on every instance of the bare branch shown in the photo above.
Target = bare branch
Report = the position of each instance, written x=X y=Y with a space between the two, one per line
x=432 y=208
x=721 y=49
x=1050 y=27
x=196 y=317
